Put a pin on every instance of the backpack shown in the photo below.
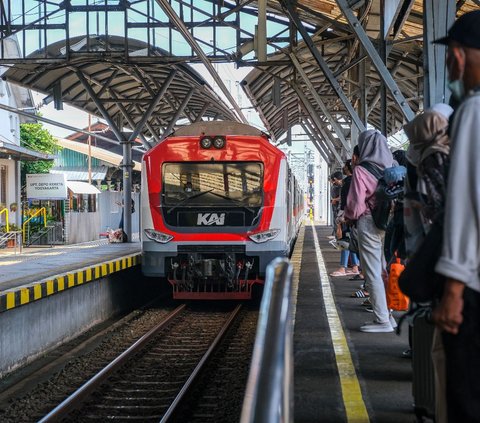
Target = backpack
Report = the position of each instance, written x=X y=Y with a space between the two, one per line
x=389 y=187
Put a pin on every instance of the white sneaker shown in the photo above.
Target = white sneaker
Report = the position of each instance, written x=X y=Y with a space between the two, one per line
x=393 y=322
x=376 y=327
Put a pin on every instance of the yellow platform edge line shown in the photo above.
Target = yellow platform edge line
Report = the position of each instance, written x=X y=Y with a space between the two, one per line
x=88 y=274
x=296 y=261
x=351 y=392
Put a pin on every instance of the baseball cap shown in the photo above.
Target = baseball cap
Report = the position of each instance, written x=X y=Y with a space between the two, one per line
x=465 y=30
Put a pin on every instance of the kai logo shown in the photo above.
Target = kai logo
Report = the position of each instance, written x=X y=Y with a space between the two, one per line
x=209 y=219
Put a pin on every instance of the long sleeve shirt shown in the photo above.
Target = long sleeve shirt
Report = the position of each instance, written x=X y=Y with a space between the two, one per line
x=460 y=257
x=360 y=197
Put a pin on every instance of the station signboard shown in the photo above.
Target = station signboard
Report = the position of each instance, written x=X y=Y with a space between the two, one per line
x=46 y=186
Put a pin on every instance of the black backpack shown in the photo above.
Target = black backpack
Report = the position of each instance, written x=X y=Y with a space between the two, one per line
x=383 y=202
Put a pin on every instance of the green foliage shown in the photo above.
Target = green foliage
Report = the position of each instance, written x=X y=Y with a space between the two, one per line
x=35 y=137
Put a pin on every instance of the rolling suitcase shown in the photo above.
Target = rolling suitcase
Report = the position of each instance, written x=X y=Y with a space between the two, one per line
x=423 y=386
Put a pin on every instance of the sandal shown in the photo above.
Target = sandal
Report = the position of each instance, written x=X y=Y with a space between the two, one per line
x=360 y=294
x=357 y=277
x=337 y=273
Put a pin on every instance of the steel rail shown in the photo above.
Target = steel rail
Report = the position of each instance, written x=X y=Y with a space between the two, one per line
x=74 y=400
x=174 y=407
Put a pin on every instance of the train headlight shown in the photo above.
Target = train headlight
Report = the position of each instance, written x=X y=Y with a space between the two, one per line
x=206 y=142
x=157 y=236
x=219 y=142
x=264 y=236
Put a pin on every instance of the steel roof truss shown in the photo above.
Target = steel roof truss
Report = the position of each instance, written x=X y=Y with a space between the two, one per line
x=376 y=59
x=318 y=123
x=177 y=115
x=100 y=106
x=107 y=83
x=338 y=130
x=170 y=12
x=199 y=116
x=153 y=105
x=290 y=10
x=319 y=143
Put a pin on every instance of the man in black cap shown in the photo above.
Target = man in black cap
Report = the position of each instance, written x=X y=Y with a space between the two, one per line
x=458 y=313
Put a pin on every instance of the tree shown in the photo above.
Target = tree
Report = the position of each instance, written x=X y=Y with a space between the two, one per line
x=35 y=137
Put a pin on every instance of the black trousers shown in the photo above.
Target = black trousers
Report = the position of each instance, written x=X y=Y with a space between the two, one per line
x=463 y=363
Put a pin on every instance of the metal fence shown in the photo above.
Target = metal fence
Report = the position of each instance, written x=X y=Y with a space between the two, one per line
x=269 y=394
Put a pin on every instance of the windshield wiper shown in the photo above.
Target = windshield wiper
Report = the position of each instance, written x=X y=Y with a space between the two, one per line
x=234 y=200
x=186 y=200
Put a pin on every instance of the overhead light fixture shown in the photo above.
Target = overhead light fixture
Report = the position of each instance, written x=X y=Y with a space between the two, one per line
x=9 y=157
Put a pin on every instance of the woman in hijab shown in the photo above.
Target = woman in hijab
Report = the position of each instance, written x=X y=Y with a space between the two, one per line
x=374 y=152
x=428 y=153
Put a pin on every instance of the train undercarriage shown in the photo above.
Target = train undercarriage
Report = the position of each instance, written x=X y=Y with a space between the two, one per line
x=213 y=277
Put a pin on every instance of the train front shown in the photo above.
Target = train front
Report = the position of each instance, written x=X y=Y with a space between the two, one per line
x=211 y=214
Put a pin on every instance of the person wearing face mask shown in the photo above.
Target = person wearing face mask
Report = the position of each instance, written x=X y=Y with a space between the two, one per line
x=458 y=313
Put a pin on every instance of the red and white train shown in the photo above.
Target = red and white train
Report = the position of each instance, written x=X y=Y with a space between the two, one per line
x=219 y=202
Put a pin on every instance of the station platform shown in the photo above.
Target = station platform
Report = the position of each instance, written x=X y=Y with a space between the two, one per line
x=340 y=373
x=36 y=272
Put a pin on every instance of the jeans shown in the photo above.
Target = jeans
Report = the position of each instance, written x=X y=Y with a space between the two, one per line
x=370 y=240
x=345 y=254
x=462 y=353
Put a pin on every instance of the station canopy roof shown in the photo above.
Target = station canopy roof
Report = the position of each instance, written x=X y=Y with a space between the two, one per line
x=12 y=151
x=124 y=88
x=343 y=53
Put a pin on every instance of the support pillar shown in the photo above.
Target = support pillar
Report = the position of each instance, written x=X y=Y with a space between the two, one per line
x=127 y=166
x=438 y=16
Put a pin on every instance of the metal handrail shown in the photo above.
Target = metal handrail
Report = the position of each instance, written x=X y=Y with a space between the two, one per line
x=5 y=210
x=42 y=210
x=269 y=394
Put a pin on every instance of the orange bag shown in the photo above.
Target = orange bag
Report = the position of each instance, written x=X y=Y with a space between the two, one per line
x=396 y=299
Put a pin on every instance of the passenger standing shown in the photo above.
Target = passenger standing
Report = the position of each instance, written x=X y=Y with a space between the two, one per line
x=458 y=313
x=429 y=151
x=374 y=150
x=394 y=234
x=345 y=254
x=336 y=181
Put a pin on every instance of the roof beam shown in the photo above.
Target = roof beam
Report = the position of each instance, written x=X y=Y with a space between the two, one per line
x=318 y=123
x=153 y=105
x=376 y=59
x=177 y=114
x=101 y=108
x=290 y=10
x=170 y=12
x=316 y=141
x=336 y=127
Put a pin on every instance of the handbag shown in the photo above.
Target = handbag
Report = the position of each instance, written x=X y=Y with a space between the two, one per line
x=419 y=281
x=353 y=244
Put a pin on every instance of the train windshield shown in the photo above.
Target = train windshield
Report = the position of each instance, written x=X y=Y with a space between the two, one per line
x=227 y=184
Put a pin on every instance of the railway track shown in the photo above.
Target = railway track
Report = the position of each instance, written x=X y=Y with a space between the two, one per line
x=162 y=375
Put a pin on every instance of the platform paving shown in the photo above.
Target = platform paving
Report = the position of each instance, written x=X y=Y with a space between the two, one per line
x=384 y=375
x=36 y=263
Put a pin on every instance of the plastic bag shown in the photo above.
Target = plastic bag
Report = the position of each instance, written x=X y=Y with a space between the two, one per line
x=396 y=299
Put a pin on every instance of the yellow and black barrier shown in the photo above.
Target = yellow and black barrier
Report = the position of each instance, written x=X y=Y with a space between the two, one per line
x=16 y=297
